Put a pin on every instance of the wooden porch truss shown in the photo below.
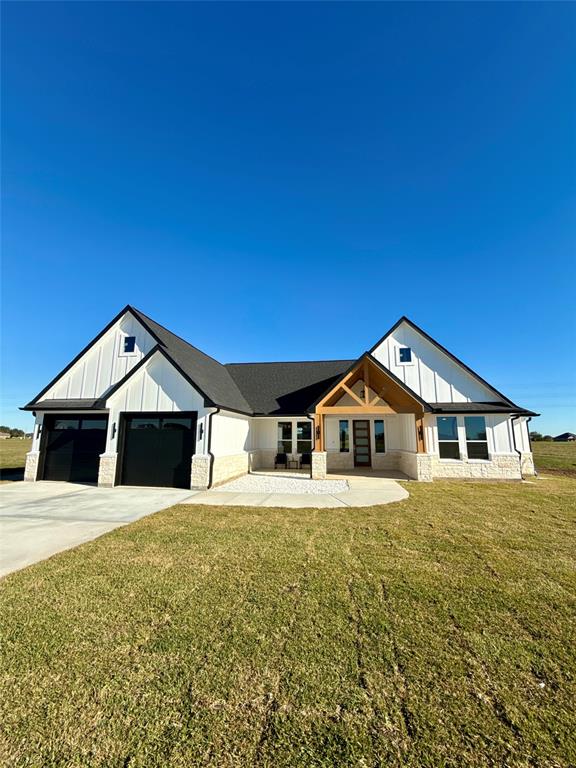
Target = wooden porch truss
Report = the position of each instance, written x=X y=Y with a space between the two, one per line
x=380 y=394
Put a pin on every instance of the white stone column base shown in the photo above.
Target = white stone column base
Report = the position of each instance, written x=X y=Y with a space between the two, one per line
x=107 y=470
x=527 y=464
x=31 y=468
x=200 y=473
x=319 y=465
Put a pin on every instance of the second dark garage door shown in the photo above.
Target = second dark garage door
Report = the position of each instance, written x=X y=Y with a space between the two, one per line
x=157 y=449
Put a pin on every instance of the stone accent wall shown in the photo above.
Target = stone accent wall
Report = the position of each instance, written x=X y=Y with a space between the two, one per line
x=337 y=461
x=417 y=466
x=228 y=467
x=200 y=471
x=501 y=467
x=388 y=460
x=528 y=468
x=319 y=465
x=31 y=468
x=107 y=470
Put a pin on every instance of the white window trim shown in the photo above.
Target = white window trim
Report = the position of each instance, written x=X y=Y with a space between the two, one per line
x=459 y=440
x=399 y=362
x=121 y=352
x=461 y=429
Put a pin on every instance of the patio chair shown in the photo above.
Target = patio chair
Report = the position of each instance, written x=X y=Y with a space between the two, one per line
x=281 y=460
x=305 y=460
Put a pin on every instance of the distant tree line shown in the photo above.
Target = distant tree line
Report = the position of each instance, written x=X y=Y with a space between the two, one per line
x=537 y=437
x=13 y=432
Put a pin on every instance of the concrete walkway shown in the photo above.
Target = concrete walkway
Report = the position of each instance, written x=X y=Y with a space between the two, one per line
x=364 y=491
x=39 y=519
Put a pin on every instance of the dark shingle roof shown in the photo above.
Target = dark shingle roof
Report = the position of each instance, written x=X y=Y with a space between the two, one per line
x=286 y=388
x=208 y=374
x=76 y=404
x=492 y=407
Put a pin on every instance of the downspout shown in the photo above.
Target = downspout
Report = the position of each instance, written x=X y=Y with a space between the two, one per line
x=209 y=449
x=512 y=420
x=313 y=441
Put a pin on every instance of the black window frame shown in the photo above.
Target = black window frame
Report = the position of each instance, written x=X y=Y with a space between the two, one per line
x=344 y=436
x=131 y=341
x=447 y=446
x=379 y=444
x=479 y=447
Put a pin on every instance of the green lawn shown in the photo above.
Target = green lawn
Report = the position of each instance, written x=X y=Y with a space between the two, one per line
x=13 y=458
x=555 y=456
x=438 y=631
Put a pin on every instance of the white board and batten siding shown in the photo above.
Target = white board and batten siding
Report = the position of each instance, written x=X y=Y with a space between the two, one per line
x=104 y=364
x=156 y=387
x=232 y=433
x=432 y=374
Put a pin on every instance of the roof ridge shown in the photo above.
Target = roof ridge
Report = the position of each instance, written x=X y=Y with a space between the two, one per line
x=290 y=362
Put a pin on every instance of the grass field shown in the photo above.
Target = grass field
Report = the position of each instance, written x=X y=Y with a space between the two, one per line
x=555 y=456
x=438 y=631
x=13 y=453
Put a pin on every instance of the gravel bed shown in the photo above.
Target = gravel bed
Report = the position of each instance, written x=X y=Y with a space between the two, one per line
x=289 y=484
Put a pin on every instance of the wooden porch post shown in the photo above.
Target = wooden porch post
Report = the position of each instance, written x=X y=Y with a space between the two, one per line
x=318 y=432
x=420 y=443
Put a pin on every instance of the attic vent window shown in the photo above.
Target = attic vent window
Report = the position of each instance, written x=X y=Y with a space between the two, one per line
x=129 y=344
x=404 y=355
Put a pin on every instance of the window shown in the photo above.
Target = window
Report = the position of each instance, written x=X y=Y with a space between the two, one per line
x=128 y=345
x=379 y=441
x=94 y=424
x=448 y=437
x=476 y=442
x=66 y=424
x=344 y=437
x=284 y=437
x=304 y=437
x=404 y=355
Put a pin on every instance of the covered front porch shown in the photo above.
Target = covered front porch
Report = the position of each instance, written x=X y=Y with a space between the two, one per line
x=369 y=425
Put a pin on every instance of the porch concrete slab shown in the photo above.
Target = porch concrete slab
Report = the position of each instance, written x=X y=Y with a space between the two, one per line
x=378 y=491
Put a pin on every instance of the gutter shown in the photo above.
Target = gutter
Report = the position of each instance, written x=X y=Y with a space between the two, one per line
x=209 y=449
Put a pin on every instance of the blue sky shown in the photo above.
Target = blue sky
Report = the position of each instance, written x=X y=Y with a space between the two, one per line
x=283 y=181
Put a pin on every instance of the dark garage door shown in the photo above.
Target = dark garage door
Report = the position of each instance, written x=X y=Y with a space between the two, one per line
x=157 y=449
x=73 y=445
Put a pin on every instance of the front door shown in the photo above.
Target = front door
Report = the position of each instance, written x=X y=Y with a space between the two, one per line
x=361 y=432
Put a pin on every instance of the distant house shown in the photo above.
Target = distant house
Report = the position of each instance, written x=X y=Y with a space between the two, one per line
x=4 y=435
x=141 y=406
x=565 y=437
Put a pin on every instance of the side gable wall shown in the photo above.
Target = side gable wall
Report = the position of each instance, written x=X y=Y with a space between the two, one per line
x=102 y=365
x=433 y=375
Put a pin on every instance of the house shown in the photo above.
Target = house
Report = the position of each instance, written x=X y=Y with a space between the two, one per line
x=141 y=406
x=565 y=437
x=5 y=435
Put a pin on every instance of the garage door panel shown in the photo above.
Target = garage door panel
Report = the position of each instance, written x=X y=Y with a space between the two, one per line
x=157 y=449
x=73 y=447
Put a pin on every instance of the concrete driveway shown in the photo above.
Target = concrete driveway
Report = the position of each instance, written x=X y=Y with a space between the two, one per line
x=39 y=519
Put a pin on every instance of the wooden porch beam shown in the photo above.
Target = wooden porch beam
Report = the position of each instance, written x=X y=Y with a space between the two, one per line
x=352 y=394
x=353 y=410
